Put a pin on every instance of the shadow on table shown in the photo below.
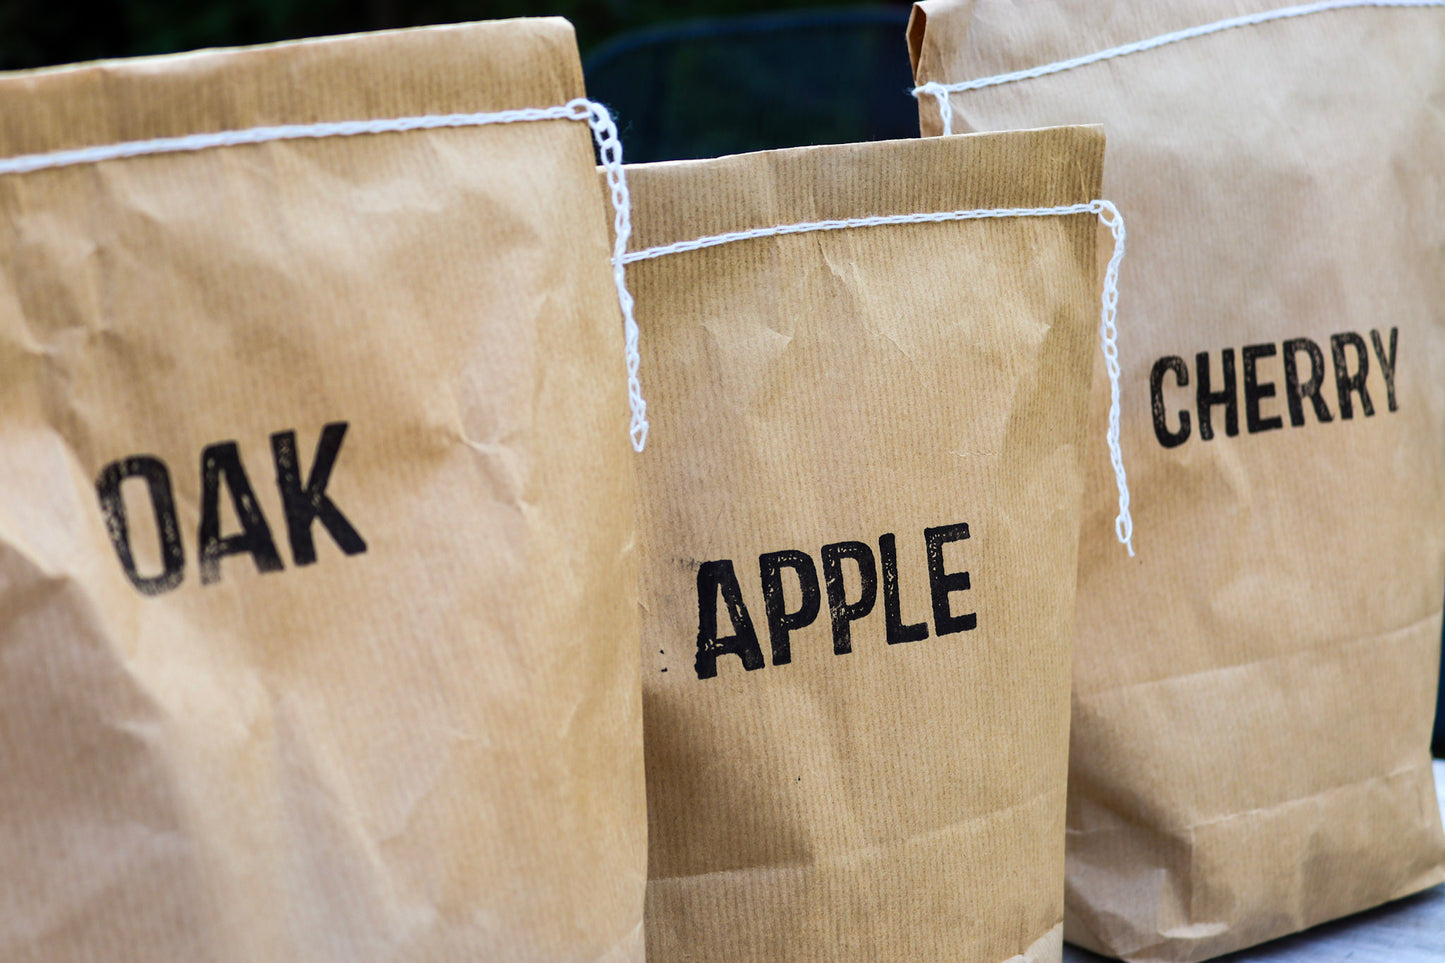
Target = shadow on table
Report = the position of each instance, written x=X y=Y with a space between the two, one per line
x=1410 y=930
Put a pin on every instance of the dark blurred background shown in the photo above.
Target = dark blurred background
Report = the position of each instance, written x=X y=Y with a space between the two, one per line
x=771 y=73
x=685 y=78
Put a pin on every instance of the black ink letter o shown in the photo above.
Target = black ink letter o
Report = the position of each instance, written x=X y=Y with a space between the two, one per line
x=158 y=481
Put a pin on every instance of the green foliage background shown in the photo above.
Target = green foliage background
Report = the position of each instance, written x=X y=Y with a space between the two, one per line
x=37 y=33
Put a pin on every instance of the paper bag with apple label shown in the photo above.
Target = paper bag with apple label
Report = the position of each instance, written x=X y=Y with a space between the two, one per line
x=858 y=511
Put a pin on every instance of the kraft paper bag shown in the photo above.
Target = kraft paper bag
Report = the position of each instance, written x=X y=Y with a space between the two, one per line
x=1253 y=692
x=858 y=517
x=318 y=627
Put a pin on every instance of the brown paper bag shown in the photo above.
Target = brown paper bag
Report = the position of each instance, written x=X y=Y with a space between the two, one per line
x=1253 y=692
x=858 y=518
x=317 y=584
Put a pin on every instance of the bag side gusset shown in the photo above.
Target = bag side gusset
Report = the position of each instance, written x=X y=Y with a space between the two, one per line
x=808 y=807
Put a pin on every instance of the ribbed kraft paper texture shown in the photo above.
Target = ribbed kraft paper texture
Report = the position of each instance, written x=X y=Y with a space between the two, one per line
x=426 y=750
x=900 y=801
x=1254 y=692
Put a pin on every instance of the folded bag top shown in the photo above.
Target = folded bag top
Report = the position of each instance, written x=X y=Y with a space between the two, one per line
x=1253 y=693
x=868 y=367
x=316 y=532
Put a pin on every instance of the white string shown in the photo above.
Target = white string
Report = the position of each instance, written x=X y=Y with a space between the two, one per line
x=610 y=149
x=576 y=110
x=1107 y=213
x=604 y=131
x=929 y=217
x=945 y=104
x=940 y=91
x=1108 y=340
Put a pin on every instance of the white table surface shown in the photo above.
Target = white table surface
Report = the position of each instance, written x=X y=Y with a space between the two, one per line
x=1411 y=930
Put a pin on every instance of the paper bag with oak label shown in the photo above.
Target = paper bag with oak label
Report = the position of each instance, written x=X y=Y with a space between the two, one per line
x=1253 y=693
x=858 y=516
x=318 y=632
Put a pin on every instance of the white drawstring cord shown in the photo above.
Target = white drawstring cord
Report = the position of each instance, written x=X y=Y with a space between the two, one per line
x=259 y=135
x=610 y=150
x=1108 y=341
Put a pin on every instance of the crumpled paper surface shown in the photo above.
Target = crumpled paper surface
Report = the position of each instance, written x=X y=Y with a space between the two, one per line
x=860 y=389
x=426 y=749
x=1253 y=693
